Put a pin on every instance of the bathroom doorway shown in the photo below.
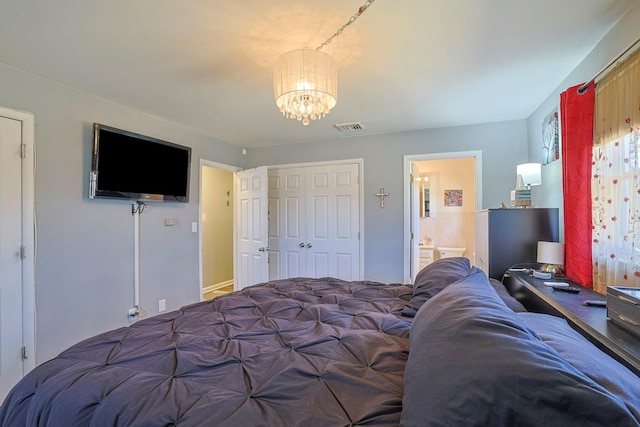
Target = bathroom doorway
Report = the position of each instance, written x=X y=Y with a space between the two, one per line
x=442 y=222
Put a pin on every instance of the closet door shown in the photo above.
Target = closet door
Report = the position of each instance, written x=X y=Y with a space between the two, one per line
x=287 y=239
x=314 y=222
x=333 y=221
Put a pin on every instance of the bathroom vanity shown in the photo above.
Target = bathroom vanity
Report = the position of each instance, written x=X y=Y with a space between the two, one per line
x=426 y=255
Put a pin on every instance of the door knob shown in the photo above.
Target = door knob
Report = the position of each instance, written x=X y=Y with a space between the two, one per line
x=308 y=245
x=302 y=245
x=263 y=249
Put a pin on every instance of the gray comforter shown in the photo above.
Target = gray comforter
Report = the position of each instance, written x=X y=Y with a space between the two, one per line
x=313 y=352
x=324 y=352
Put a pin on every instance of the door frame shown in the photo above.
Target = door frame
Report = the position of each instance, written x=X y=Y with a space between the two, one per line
x=28 y=123
x=408 y=160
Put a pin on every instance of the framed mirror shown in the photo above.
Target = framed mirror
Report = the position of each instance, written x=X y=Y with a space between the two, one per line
x=425 y=199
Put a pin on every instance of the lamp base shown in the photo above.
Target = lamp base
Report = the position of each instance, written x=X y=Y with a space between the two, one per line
x=551 y=268
x=520 y=198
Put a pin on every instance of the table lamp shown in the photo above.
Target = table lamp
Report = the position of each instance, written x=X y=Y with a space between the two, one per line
x=551 y=256
x=527 y=175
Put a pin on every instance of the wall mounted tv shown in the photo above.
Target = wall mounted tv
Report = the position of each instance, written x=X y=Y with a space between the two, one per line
x=126 y=165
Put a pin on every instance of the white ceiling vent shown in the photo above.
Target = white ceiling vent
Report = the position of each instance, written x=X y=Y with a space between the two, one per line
x=349 y=127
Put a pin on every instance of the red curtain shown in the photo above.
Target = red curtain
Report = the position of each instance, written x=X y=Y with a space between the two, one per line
x=576 y=118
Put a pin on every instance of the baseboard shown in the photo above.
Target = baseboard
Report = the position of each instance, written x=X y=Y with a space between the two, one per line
x=217 y=286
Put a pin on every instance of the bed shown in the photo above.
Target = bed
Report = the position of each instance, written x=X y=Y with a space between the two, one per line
x=453 y=349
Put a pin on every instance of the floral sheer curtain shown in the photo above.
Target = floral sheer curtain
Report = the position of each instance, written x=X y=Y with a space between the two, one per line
x=616 y=177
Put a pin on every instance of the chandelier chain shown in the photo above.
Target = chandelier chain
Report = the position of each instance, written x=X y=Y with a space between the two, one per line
x=351 y=20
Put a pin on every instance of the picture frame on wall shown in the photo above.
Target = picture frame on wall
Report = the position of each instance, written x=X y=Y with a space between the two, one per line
x=550 y=138
x=453 y=198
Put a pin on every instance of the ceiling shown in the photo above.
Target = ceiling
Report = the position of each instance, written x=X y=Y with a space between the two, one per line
x=403 y=65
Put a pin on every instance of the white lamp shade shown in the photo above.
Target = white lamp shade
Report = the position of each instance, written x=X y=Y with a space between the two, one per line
x=551 y=253
x=305 y=84
x=531 y=173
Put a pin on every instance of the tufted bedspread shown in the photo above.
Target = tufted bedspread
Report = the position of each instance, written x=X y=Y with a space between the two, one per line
x=294 y=352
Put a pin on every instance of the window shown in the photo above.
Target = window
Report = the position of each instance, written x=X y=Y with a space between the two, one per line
x=616 y=177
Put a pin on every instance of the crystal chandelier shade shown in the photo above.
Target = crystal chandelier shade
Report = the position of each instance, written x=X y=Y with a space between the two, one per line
x=305 y=84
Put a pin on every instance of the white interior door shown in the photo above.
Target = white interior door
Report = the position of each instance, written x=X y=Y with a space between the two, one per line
x=415 y=190
x=11 y=300
x=287 y=228
x=333 y=221
x=251 y=260
x=314 y=227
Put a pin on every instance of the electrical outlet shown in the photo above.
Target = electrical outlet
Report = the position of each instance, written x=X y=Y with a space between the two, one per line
x=162 y=305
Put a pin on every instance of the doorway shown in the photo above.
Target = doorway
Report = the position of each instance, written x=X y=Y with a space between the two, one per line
x=17 y=247
x=414 y=212
x=216 y=229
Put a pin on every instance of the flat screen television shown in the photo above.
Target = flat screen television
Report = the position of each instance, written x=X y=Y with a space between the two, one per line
x=126 y=165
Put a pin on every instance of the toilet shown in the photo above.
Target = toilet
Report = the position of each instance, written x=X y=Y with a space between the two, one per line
x=451 y=252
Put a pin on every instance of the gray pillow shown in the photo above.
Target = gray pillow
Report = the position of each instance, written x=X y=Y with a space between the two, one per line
x=434 y=278
x=587 y=358
x=504 y=294
x=473 y=362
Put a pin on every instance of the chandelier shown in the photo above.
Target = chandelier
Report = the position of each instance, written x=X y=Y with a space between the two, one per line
x=305 y=81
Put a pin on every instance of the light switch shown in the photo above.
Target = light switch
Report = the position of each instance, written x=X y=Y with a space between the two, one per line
x=168 y=222
x=194 y=227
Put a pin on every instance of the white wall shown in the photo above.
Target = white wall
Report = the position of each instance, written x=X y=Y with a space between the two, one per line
x=84 y=264
x=503 y=146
